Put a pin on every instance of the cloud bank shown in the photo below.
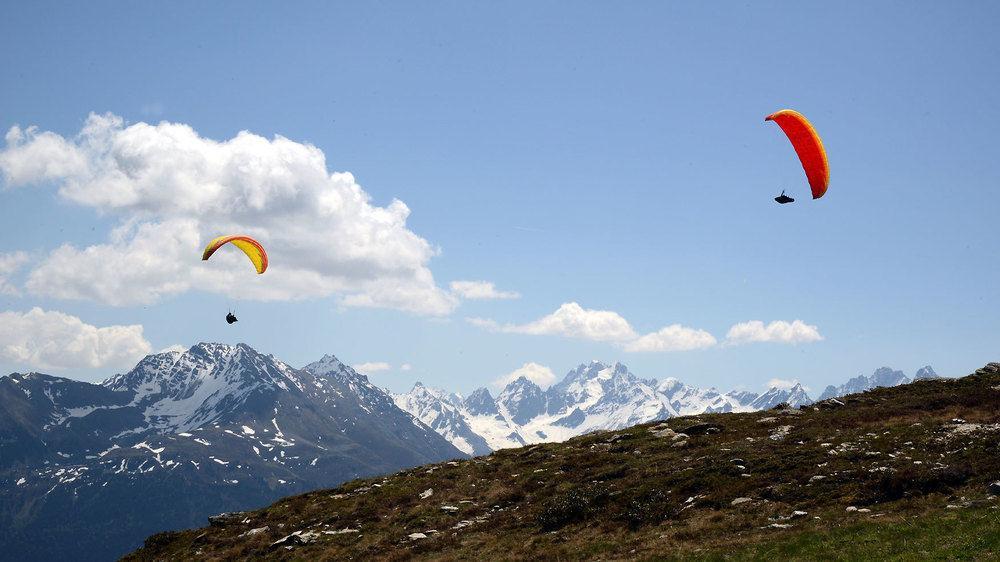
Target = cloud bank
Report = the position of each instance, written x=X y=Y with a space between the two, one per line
x=480 y=290
x=573 y=321
x=173 y=190
x=778 y=331
x=54 y=340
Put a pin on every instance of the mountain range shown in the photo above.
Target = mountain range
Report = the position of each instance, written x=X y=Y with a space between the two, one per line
x=597 y=396
x=88 y=470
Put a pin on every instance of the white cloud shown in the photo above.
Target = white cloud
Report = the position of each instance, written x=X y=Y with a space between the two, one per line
x=42 y=339
x=570 y=320
x=176 y=348
x=782 y=384
x=174 y=190
x=480 y=290
x=672 y=338
x=573 y=321
x=405 y=367
x=778 y=331
x=538 y=374
x=373 y=367
x=9 y=265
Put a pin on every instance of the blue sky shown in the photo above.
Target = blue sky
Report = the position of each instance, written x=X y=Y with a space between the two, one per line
x=610 y=155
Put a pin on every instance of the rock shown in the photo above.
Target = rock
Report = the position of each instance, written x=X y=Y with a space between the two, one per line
x=851 y=508
x=798 y=513
x=427 y=493
x=680 y=444
x=665 y=432
x=297 y=538
x=739 y=501
x=228 y=518
x=994 y=488
x=448 y=508
x=829 y=404
x=253 y=532
x=342 y=531
x=417 y=536
x=778 y=526
x=702 y=429
x=780 y=433
x=768 y=419
x=864 y=510
x=817 y=478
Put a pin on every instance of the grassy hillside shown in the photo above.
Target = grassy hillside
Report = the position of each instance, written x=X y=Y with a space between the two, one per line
x=893 y=473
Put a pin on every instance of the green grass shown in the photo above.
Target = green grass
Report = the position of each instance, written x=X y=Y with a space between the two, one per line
x=951 y=535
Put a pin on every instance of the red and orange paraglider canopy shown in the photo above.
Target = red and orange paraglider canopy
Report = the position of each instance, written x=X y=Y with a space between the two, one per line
x=809 y=147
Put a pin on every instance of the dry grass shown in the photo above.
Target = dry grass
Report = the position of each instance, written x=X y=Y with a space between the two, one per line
x=630 y=494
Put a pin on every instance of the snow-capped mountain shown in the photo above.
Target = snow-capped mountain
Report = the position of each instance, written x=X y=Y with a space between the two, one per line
x=593 y=396
x=596 y=396
x=95 y=468
x=883 y=376
x=795 y=396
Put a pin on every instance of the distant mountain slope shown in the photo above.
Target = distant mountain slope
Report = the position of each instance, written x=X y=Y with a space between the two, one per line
x=908 y=472
x=87 y=470
x=596 y=396
x=593 y=396
x=882 y=377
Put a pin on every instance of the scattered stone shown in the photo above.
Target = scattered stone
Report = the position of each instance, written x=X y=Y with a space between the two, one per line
x=297 y=538
x=769 y=419
x=739 y=501
x=780 y=433
x=778 y=526
x=448 y=508
x=228 y=518
x=851 y=508
x=680 y=444
x=427 y=493
x=798 y=513
x=342 y=532
x=253 y=532
x=994 y=488
x=864 y=510
x=416 y=536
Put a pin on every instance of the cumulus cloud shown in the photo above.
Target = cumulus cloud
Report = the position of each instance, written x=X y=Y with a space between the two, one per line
x=173 y=190
x=372 y=367
x=672 y=338
x=405 y=367
x=783 y=384
x=778 y=331
x=538 y=374
x=573 y=321
x=480 y=290
x=570 y=320
x=9 y=265
x=41 y=339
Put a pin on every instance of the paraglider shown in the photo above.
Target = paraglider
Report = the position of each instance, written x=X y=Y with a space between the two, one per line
x=782 y=199
x=250 y=247
x=809 y=148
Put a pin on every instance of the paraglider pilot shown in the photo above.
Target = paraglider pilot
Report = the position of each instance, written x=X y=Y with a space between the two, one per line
x=230 y=318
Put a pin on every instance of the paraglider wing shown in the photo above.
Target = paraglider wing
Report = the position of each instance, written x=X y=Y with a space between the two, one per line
x=809 y=147
x=250 y=247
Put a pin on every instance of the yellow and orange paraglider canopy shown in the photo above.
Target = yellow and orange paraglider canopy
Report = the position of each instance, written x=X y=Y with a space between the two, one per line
x=809 y=147
x=250 y=247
